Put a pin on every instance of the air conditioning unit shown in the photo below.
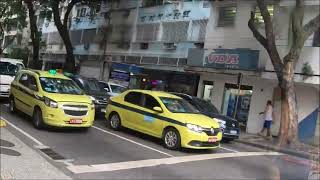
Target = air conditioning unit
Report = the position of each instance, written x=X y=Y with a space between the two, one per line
x=170 y=46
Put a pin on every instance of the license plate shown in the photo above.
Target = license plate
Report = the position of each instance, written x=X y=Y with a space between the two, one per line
x=75 y=121
x=233 y=132
x=103 y=110
x=212 y=139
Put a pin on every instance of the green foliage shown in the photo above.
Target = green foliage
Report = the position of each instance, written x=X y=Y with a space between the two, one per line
x=12 y=15
x=307 y=70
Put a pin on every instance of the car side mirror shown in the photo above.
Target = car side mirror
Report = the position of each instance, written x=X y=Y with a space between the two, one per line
x=158 y=109
x=107 y=89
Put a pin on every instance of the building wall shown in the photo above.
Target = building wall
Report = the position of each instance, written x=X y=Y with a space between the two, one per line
x=263 y=90
x=240 y=36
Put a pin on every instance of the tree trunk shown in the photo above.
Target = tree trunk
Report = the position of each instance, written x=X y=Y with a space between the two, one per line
x=35 y=37
x=64 y=33
x=289 y=115
x=70 y=61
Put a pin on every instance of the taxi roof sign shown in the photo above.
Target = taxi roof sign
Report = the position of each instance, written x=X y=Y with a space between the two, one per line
x=52 y=71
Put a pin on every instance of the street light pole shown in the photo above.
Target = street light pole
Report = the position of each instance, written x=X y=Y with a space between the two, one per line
x=237 y=100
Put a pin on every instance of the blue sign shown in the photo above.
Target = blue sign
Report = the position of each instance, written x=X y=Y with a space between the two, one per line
x=118 y=75
x=242 y=59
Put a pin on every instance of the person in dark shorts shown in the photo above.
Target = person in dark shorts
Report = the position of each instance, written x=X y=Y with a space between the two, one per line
x=268 y=118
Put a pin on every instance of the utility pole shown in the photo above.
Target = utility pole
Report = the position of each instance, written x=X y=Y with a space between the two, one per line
x=239 y=82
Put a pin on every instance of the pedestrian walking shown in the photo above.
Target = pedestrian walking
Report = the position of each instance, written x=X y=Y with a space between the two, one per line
x=268 y=118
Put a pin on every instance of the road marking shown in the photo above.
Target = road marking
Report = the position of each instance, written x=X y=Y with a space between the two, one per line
x=229 y=149
x=77 y=169
x=24 y=133
x=134 y=142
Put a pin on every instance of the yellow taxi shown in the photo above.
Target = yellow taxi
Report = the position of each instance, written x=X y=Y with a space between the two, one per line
x=50 y=99
x=164 y=116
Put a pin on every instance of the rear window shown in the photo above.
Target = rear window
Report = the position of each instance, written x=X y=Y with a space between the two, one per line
x=133 y=97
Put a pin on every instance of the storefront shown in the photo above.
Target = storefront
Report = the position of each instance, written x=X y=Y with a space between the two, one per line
x=219 y=83
x=125 y=74
x=170 y=81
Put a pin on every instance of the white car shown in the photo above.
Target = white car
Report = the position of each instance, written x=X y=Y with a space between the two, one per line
x=8 y=70
x=111 y=88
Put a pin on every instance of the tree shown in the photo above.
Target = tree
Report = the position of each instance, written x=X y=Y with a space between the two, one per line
x=63 y=27
x=35 y=35
x=12 y=14
x=284 y=67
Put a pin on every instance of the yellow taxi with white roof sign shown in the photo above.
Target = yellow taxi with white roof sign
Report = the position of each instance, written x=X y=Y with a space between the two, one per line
x=51 y=99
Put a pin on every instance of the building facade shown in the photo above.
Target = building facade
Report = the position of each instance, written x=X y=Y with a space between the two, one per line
x=230 y=49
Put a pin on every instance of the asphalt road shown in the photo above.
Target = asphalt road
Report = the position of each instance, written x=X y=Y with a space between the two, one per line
x=103 y=153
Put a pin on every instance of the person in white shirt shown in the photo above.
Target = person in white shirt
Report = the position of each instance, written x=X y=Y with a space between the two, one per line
x=268 y=118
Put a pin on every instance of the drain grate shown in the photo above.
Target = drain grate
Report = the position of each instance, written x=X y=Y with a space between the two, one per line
x=52 y=154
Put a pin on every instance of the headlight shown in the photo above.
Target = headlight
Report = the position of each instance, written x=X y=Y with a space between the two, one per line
x=194 y=128
x=222 y=123
x=93 y=99
x=50 y=103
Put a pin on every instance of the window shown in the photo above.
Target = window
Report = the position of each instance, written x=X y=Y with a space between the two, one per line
x=150 y=102
x=316 y=38
x=144 y=45
x=133 y=97
x=83 y=12
x=257 y=14
x=32 y=83
x=227 y=16
x=24 y=80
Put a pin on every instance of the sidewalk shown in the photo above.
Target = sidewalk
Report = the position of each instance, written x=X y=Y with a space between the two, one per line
x=19 y=161
x=306 y=151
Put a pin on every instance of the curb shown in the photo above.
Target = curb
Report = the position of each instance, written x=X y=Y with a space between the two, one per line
x=2 y=123
x=281 y=150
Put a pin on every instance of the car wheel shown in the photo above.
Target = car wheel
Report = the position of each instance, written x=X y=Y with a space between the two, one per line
x=37 y=119
x=12 y=105
x=171 y=139
x=114 y=121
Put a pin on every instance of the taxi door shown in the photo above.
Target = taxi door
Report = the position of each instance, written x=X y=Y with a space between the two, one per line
x=32 y=88
x=150 y=122
x=19 y=93
x=25 y=93
x=132 y=114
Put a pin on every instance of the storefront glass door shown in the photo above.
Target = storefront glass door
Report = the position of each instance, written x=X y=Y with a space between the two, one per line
x=229 y=107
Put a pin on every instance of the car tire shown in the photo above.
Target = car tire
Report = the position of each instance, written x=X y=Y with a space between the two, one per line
x=37 y=119
x=171 y=139
x=12 y=105
x=114 y=121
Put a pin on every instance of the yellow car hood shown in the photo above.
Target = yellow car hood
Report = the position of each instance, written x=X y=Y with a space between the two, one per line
x=70 y=98
x=197 y=119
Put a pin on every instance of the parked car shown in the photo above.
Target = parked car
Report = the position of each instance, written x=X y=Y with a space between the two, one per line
x=111 y=88
x=50 y=99
x=164 y=116
x=229 y=126
x=91 y=88
x=8 y=70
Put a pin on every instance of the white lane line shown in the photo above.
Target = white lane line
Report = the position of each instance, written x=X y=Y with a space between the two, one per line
x=77 y=169
x=134 y=142
x=39 y=144
x=229 y=149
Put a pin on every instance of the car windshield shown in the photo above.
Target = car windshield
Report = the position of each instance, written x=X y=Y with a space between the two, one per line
x=91 y=84
x=7 y=68
x=61 y=86
x=206 y=105
x=178 y=105
x=117 y=89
